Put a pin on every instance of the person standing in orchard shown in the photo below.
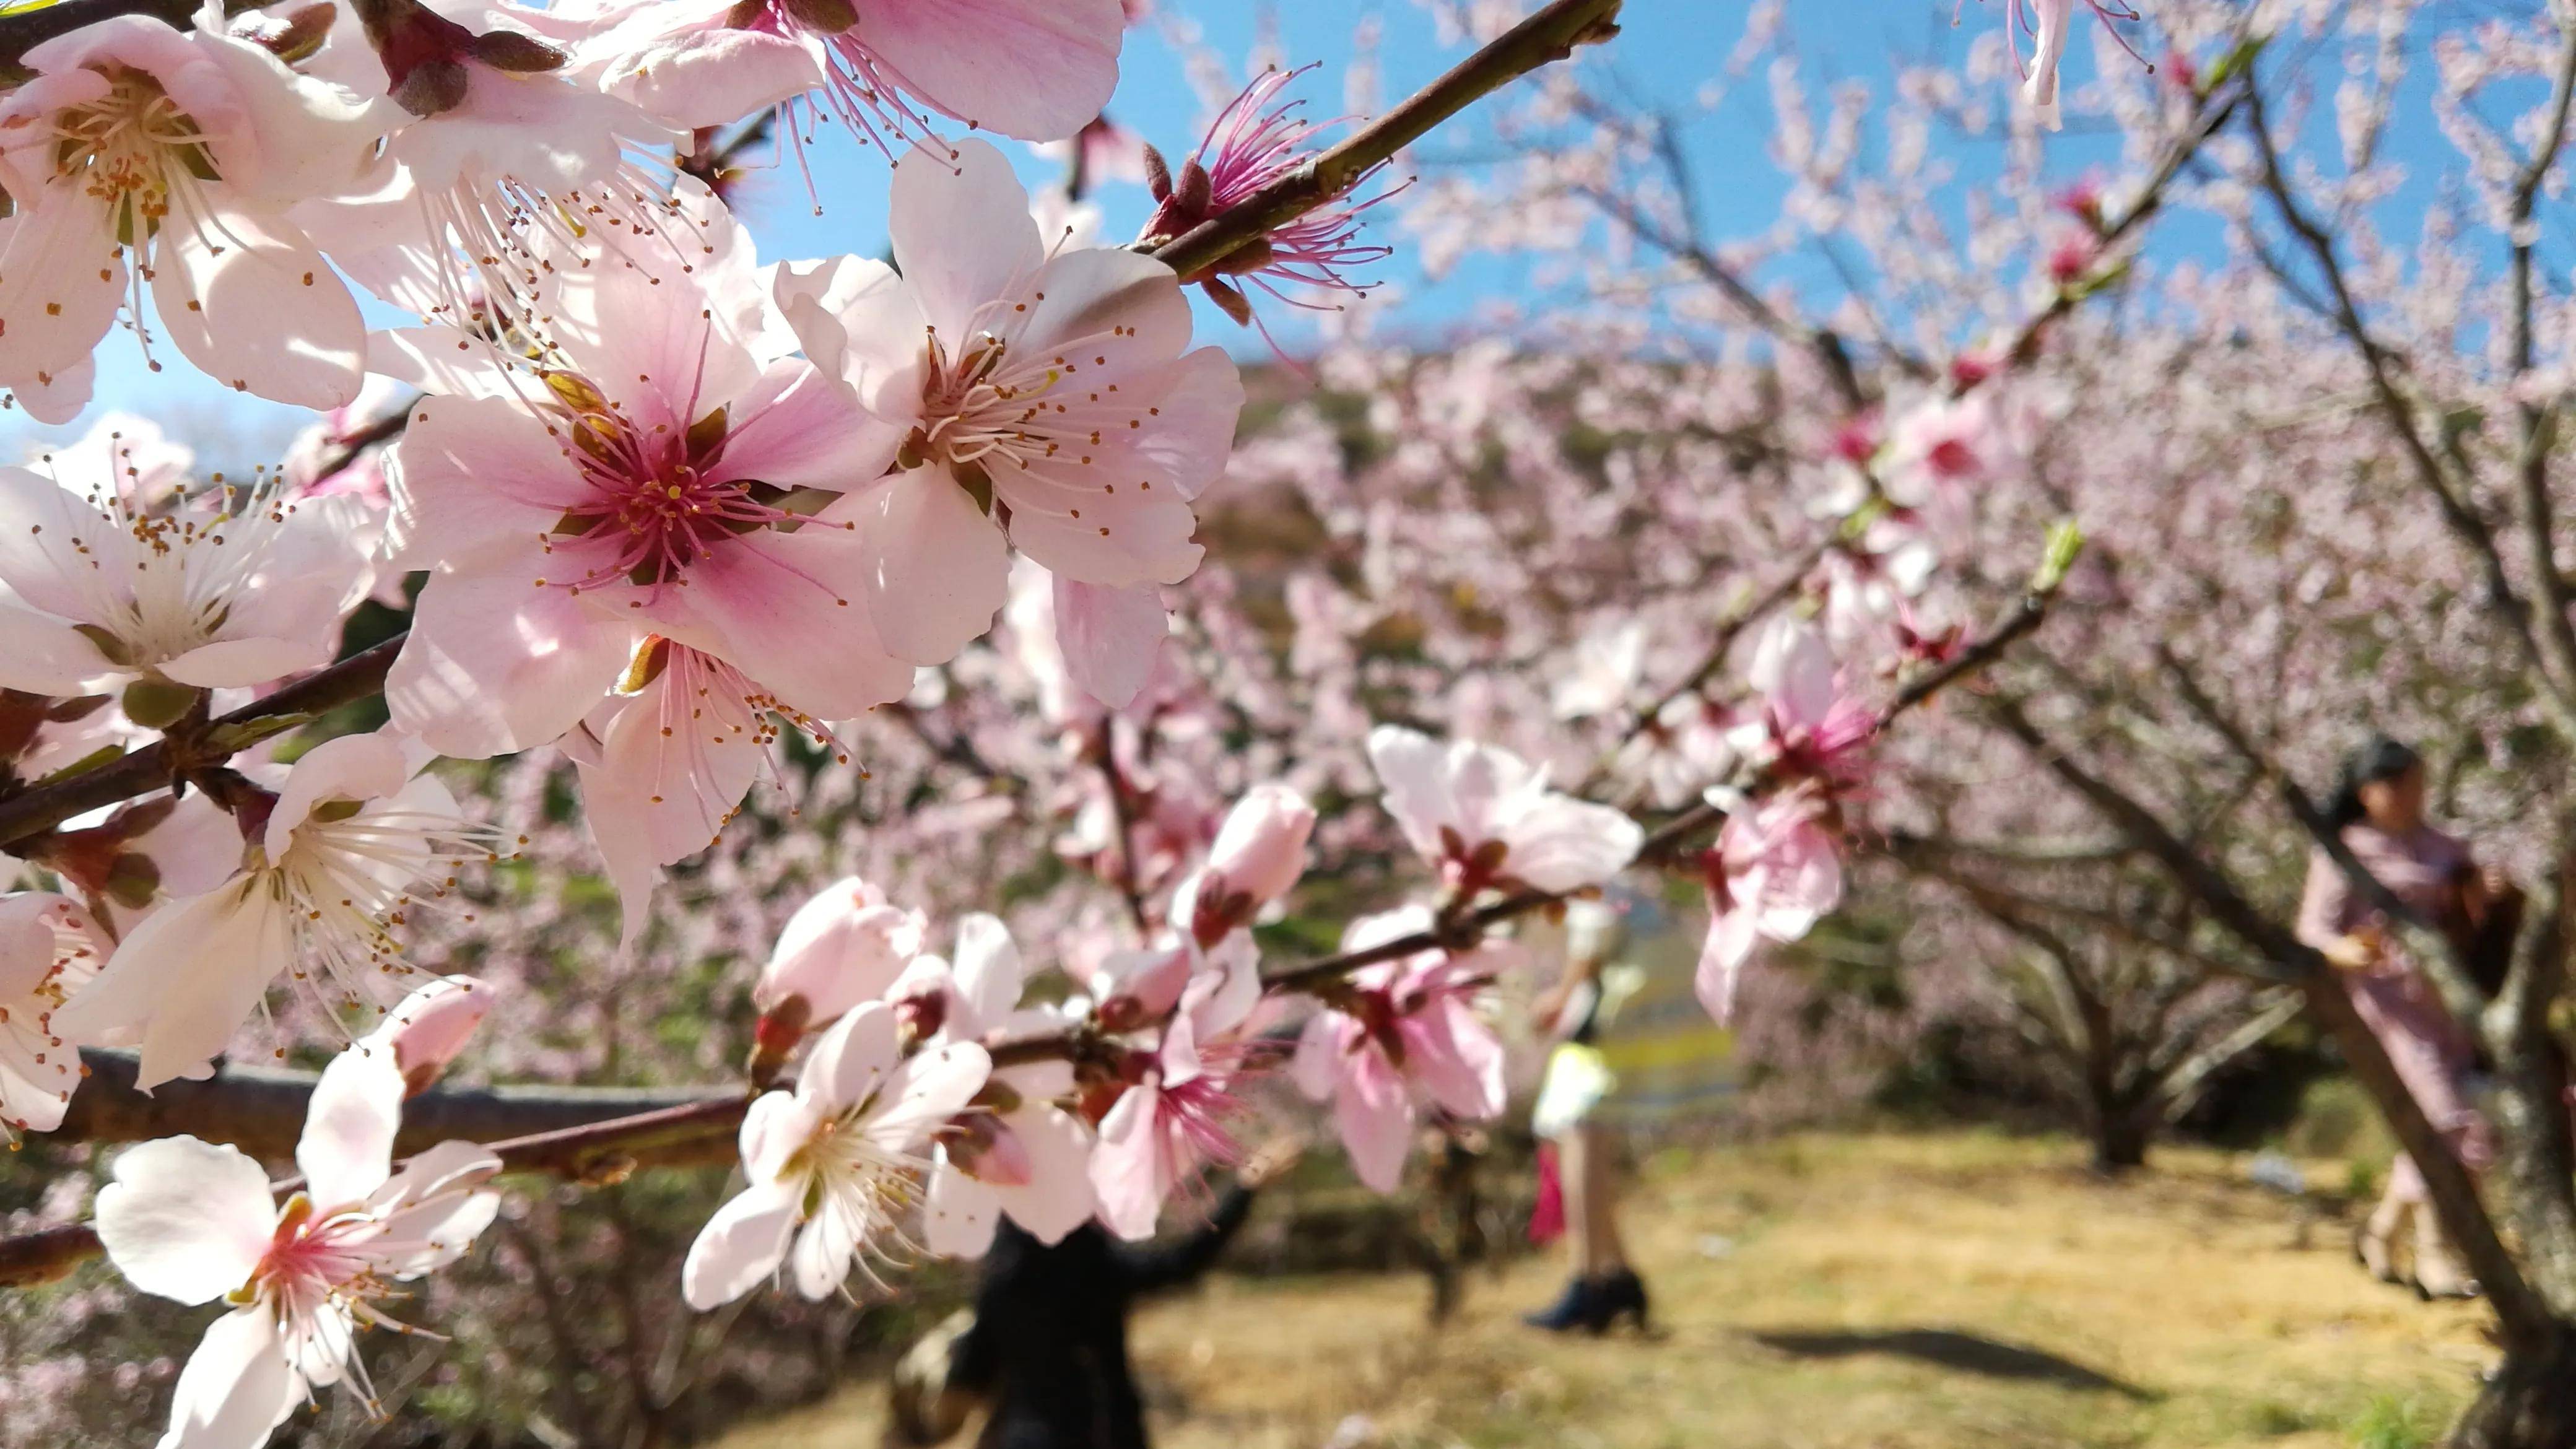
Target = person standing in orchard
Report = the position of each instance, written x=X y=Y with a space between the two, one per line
x=1582 y=1150
x=2378 y=810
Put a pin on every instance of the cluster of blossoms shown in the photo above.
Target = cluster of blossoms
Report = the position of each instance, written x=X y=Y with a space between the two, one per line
x=663 y=507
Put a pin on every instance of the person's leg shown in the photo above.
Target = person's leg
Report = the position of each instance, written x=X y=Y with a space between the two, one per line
x=2376 y=1245
x=1598 y=1190
x=1574 y=1169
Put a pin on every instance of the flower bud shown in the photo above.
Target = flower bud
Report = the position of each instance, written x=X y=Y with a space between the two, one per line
x=845 y=946
x=1261 y=849
x=431 y=1026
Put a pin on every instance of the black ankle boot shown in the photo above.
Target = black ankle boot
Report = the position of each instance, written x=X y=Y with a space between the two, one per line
x=1620 y=1295
x=1578 y=1308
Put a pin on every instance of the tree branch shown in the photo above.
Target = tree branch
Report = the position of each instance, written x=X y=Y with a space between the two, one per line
x=1550 y=34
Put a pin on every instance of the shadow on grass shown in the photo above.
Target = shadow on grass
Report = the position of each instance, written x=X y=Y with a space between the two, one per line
x=1945 y=1348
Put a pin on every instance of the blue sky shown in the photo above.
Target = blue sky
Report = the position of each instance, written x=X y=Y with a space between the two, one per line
x=1671 y=50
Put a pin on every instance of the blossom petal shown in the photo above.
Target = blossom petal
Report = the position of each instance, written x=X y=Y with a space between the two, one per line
x=743 y=1243
x=248 y=300
x=496 y=663
x=185 y=1219
x=962 y=232
x=1374 y=1111
x=349 y=1124
x=938 y=569
x=958 y=1213
x=237 y=1387
x=184 y=980
x=1111 y=638
x=1033 y=70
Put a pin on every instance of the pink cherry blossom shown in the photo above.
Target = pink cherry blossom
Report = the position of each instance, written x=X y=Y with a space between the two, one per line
x=510 y=166
x=1176 y=1114
x=1251 y=144
x=1032 y=400
x=1035 y=70
x=643 y=488
x=1256 y=858
x=352 y=843
x=1810 y=728
x=1774 y=872
x=1398 y=1036
x=232 y=587
x=1484 y=816
x=140 y=151
x=1016 y=1149
x=48 y=950
x=836 y=1165
x=194 y=1222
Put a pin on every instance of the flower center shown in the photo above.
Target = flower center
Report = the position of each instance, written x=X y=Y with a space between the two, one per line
x=659 y=500
x=128 y=148
x=314 y=1258
x=982 y=403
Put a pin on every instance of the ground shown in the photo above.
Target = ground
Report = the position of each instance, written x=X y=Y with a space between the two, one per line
x=1951 y=1291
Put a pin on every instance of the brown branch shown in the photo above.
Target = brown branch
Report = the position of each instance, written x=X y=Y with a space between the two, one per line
x=1550 y=34
x=1122 y=817
x=140 y=772
x=2549 y=647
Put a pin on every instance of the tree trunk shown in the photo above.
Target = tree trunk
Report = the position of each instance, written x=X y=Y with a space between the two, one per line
x=2529 y=1404
x=2121 y=1134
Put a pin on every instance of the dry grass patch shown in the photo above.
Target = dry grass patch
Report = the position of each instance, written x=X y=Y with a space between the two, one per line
x=1955 y=1291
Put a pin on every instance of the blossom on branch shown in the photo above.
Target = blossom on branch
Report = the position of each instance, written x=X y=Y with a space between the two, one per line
x=1041 y=401
x=662 y=476
x=1485 y=817
x=1258 y=854
x=1774 y=872
x=193 y=1221
x=1016 y=1149
x=232 y=587
x=1181 y=1095
x=139 y=154
x=836 y=1165
x=332 y=867
x=48 y=950
x=1398 y=1036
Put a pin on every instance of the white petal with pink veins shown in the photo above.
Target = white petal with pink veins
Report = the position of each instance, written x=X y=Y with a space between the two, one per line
x=62 y=276
x=1193 y=432
x=185 y=1219
x=43 y=655
x=925 y=1091
x=742 y=1244
x=184 y=981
